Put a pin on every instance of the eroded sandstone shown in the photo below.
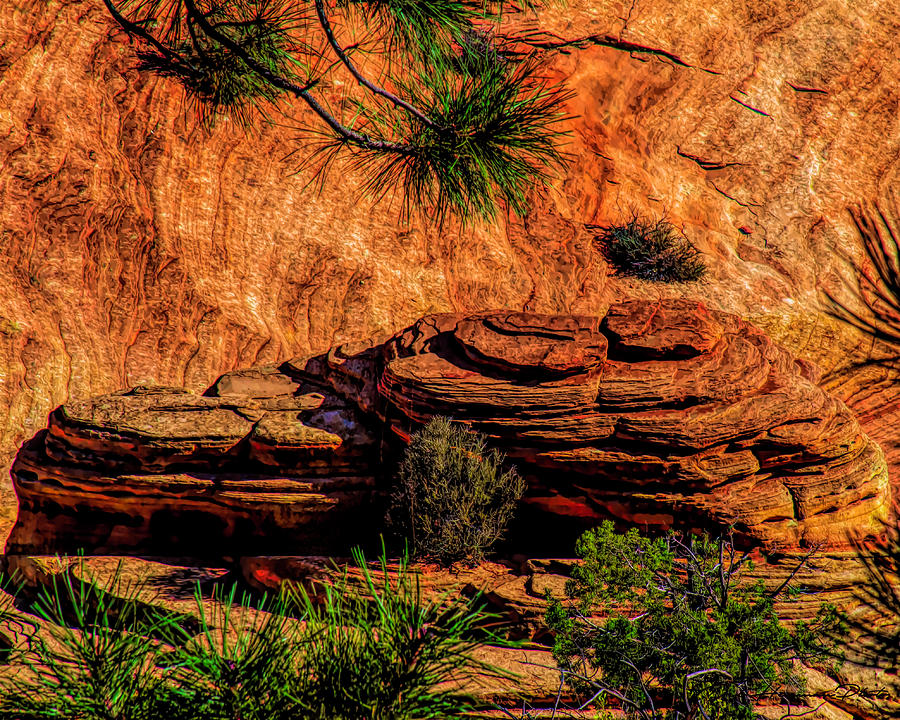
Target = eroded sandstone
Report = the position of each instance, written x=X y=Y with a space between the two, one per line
x=161 y=471
x=137 y=248
x=658 y=414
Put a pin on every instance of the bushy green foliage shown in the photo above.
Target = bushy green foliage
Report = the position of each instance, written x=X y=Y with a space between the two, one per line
x=651 y=250
x=682 y=637
x=454 y=499
x=376 y=652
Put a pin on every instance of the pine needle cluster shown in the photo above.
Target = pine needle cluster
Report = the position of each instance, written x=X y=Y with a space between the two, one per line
x=490 y=140
x=435 y=105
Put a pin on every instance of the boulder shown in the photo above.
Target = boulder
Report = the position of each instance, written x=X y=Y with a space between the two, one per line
x=660 y=413
x=161 y=471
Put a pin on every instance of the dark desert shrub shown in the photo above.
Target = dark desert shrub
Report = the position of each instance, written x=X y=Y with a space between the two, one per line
x=651 y=250
x=453 y=499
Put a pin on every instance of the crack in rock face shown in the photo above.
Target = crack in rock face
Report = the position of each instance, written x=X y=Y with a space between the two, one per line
x=661 y=414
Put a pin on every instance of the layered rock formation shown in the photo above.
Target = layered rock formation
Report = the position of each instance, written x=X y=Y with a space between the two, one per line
x=135 y=248
x=163 y=471
x=657 y=414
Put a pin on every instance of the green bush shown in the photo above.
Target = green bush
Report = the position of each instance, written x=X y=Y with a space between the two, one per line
x=682 y=637
x=651 y=250
x=380 y=652
x=454 y=499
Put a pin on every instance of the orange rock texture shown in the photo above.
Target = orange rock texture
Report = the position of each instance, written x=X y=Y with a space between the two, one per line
x=659 y=414
x=134 y=247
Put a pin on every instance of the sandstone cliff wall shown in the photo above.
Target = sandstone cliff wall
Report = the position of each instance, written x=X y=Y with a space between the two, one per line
x=136 y=248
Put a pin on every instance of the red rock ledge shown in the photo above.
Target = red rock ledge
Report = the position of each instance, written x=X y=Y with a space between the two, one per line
x=659 y=414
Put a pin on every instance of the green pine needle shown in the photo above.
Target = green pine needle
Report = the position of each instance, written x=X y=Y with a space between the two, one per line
x=216 y=81
x=498 y=127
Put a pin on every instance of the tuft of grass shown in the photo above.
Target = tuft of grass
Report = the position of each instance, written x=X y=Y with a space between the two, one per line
x=380 y=651
x=245 y=663
x=385 y=653
x=651 y=250
x=96 y=659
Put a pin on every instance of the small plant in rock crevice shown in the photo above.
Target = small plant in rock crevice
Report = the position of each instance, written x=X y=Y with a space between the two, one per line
x=453 y=498
x=651 y=250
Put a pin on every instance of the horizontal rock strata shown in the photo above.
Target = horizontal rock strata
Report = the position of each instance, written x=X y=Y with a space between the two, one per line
x=161 y=471
x=659 y=414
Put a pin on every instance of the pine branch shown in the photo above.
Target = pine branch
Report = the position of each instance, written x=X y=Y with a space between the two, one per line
x=372 y=87
x=302 y=92
x=135 y=29
x=463 y=131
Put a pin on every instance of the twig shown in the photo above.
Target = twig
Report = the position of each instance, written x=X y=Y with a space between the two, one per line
x=790 y=577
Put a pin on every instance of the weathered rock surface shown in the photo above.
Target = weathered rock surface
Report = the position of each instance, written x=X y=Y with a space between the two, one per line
x=135 y=248
x=167 y=472
x=659 y=414
x=512 y=590
x=517 y=590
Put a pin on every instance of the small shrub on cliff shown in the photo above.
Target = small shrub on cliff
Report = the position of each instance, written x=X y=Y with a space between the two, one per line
x=683 y=637
x=454 y=499
x=651 y=250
